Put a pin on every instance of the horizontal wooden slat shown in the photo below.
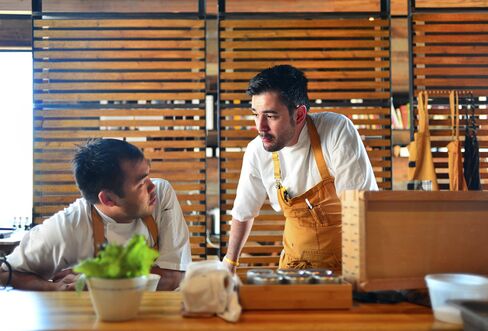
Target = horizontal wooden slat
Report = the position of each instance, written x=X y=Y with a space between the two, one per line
x=453 y=71
x=84 y=86
x=168 y=142
x=198 y=250
x=119 y=76
x=316 y=23
x=261 y=249
x=343 y=110
x=117 y=96
x=116 y=133
x=64 y=123
x=328 y=85
x=57 y=177
x=461 y=39
x=121 y=23
x=116 y=44
x=320 y=95
x=456 y=83
x=87 y=34
x=347 y=73
x=457 y=60
x=450 y=17
x=465 y=27
x=451 y=49
x=166 y=165
x=324 y=54
x=305 y=64
x=292 y=44
x=308 y=33
x=197 y=240
x=125 y=54
x=188 y=187
x=123 y=65
x=139 y=112
x=258 y=238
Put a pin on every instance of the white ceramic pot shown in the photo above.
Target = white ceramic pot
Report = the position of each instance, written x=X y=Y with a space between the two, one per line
x=152 y=282
x=116 y=299
x=444 y=287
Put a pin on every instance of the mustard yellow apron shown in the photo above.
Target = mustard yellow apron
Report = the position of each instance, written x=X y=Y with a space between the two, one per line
x=99 y=234
x=312 y=235
x=455 y=156
x=421 y=163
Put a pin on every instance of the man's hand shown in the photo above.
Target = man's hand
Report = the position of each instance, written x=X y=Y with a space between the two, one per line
x=170 y=279
x=65 y=280
x=232 y=268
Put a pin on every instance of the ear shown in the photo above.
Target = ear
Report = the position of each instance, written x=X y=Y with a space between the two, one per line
x=301 y=114
x=107 y=198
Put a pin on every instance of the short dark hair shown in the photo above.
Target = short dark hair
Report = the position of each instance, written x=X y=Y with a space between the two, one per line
x=97 y=166
x=288 y=81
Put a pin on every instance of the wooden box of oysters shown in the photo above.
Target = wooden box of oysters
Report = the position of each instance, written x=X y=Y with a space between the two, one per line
x=266 y=289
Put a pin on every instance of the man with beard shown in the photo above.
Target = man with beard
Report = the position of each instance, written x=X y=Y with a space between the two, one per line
x=119 y=200
x=301 y=162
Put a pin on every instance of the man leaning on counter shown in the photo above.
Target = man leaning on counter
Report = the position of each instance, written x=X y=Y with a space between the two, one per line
x=119 y=200
x=301 y=162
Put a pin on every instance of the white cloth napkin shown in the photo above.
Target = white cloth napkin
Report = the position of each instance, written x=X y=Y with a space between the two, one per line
x=209 y=288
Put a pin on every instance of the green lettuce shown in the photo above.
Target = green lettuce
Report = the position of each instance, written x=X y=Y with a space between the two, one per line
x=116 y=261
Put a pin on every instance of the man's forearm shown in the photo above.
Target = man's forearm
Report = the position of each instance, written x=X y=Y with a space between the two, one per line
x=239 y=232
x=27 y=281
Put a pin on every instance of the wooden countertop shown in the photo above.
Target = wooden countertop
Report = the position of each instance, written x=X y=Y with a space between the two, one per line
x=21 y=310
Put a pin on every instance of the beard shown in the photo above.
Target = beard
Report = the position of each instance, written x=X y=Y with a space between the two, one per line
x=270 y=143
x=273 y=144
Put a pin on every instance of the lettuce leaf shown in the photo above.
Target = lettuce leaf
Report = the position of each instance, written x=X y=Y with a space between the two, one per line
x=115 y=261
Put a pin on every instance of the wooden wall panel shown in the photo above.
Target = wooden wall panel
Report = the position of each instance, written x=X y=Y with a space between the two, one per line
x=450 y=53
x=343 y=58
x=137 y=79
x=15 y=33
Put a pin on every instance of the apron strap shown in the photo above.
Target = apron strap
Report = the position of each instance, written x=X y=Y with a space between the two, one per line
x=422 y=101
x=276 y=169
x=99 y=235
x=454 y=106
x=317 y=149
x=98 y=230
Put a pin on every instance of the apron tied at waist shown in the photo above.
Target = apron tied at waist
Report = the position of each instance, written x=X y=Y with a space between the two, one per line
x=312 y=234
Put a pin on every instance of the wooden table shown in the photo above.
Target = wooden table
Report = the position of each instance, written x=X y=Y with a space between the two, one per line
x=21 y=310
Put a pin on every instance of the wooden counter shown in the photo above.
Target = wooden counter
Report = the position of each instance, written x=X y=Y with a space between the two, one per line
x=161 y=311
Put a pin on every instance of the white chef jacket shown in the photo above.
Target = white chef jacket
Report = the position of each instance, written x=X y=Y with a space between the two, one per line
x=343 y=151
x=67 y=237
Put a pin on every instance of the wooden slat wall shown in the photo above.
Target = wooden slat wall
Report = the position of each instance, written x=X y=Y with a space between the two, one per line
x=142 y=80
x=343 y=58
x=451 y=53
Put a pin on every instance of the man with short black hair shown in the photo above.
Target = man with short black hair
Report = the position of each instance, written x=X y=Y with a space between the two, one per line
x=119 y=200
x=301 y=162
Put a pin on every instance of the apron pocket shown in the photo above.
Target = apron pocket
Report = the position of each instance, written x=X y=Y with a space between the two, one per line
x=322 y=215
x=327 y=213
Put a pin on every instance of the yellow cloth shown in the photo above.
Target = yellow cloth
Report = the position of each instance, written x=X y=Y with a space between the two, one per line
x=421 y=164
x=455 y=161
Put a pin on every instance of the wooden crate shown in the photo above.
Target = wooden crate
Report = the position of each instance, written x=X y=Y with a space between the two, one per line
x=286 y=296
x=392 y=239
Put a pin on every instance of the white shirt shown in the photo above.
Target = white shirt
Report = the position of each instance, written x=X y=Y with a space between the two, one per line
x=343 y=151
x=67 y=237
